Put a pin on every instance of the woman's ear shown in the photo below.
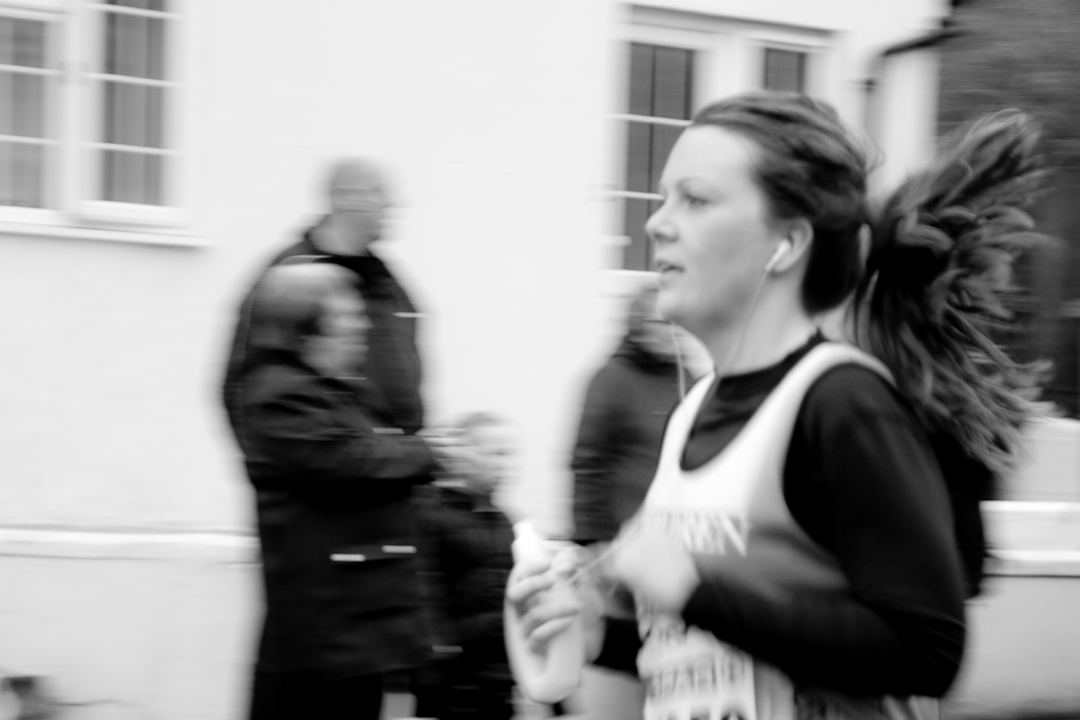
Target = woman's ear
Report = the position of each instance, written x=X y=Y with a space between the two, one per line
x=797 y=235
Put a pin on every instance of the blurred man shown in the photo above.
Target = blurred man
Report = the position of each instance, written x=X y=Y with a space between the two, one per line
x=623 y=420
x=358 y=200
x=622 y=424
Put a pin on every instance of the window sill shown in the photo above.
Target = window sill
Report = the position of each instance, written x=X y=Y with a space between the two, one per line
x=138 y=237
x=93 y=544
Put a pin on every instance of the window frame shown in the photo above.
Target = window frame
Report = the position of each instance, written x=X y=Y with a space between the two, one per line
x=53 y=98
x=728 y=59
x=699 y=43
x=815 y=49
x=73 y=175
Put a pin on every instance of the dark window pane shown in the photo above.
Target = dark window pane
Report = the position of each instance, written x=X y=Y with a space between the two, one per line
x=637 y=255
x=131 y=177
x=641 y=79
x=784 y=70
x=672 y=80
x=22 y=173
x=133 y=114
x=647 y=150
x=158 y=5
x=22 y=104
x=638 y=154
x=22 y=42
x=663 y=139
x=134 y=46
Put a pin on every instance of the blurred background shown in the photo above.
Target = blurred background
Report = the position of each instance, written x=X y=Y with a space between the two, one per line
x=154 y=154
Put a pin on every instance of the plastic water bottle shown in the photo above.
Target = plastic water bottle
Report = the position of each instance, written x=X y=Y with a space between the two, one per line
x=552 y=675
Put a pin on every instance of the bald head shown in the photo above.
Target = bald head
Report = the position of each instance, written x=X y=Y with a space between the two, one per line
x=353 y=172
x=358 y=198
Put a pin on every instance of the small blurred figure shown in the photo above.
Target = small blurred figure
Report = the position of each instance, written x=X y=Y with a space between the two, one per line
x=468 y=546
x=622 y=424
x=333 y=483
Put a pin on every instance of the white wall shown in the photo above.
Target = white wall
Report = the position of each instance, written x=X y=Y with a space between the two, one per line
x=908 y=80
x=131 y=626
x=490 y=117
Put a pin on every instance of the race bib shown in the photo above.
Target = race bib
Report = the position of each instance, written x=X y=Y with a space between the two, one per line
x=690 y=675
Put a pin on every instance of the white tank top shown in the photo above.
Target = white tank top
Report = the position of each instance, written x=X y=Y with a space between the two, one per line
x=733 y=505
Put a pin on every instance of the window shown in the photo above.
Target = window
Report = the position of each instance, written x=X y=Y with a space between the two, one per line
x=784 y=70
x=89 y=112
x=659 y=107
x=28 y=78
x=131 y=152
x=674 y=62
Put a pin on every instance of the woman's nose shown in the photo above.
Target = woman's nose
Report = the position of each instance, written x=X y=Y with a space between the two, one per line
x=658 y=227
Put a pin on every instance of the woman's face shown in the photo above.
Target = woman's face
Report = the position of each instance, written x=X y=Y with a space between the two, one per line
x=714 y=234
x=344 y=328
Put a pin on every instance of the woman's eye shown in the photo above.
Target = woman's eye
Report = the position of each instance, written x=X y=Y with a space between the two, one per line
x=694 y=200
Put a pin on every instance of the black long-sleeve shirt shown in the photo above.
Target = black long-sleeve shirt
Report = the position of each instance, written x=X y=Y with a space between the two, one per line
x=862 y=479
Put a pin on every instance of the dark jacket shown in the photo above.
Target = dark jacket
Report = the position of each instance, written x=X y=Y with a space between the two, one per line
x=618 y=442
x=467 y=543
x=393 y=364
x=333 y=480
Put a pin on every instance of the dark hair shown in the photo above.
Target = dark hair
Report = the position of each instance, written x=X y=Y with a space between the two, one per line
x=808 y=165
x=940 y=265
x=287 y=303
x=942 y=245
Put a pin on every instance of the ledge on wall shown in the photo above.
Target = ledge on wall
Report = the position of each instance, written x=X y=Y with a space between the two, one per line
x=128 y=545
x=140 y=237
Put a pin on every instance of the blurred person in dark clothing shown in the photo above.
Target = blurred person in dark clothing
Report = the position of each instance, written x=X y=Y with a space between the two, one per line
x=622 y=423
x=358 y=199
x=467 y=540
x=333 y=475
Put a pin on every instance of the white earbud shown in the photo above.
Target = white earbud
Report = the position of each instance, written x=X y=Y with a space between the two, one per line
x=781 y=251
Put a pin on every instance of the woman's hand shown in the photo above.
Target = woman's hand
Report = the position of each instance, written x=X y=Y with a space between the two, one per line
x=654 y=566
x=549 y=595
x=544 y=610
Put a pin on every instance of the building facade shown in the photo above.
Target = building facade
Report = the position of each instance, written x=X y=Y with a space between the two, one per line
x=155 y=153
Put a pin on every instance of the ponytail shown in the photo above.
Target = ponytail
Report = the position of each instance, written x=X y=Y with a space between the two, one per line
x=931 y=301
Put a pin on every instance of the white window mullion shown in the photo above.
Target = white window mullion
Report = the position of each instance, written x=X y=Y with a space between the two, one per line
x=129 y=80
x=653 y=120
x=138 y=12
x=72 y=113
